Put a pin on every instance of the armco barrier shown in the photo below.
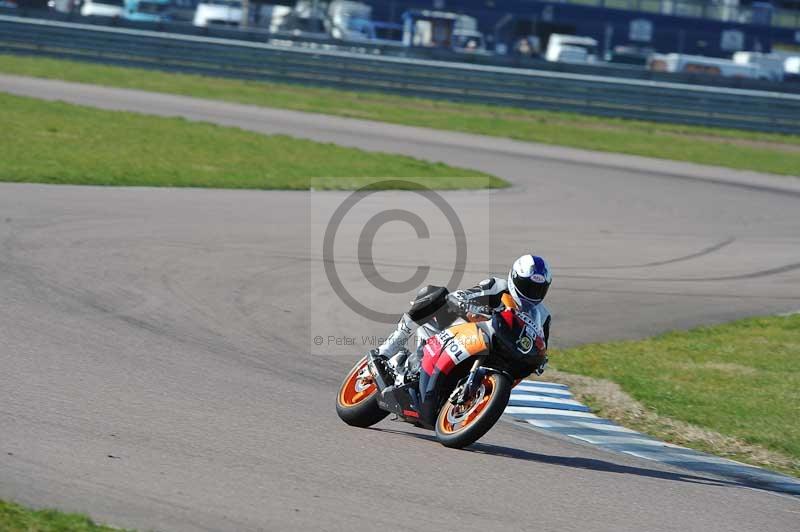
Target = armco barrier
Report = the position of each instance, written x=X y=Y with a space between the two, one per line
x=534 y=89
x=259 y=33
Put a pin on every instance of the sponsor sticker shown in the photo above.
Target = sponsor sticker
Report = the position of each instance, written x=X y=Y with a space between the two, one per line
x=525 y=344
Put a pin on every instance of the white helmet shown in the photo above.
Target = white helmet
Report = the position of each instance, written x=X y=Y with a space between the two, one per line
x=529 y=280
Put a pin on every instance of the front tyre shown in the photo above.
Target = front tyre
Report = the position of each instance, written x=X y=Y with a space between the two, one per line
x=460 y=425
x=357 y=401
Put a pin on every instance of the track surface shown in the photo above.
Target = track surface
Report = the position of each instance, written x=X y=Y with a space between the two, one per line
x=159 y=373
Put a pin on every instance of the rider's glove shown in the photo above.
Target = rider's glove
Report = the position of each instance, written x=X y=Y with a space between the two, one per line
x=540 y=362
x=538 y=370
x=458 y=302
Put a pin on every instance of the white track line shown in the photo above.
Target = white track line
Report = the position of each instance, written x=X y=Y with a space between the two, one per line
x=541 y=400
x=551 y=392
x=542 y=384
x=512 y=410
x=552 y=409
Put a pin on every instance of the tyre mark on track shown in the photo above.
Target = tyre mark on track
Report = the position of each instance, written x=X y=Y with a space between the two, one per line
x=675 y=294
x=750 y=275
x=490 y=271
x=702 y=253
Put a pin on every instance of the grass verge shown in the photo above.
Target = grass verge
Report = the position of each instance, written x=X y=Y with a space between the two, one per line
x=779 y=154
x=732 y=390
x=53 y=142
x=15 y=518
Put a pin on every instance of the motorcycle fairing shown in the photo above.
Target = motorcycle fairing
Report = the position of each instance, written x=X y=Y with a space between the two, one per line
x=518 y=343
x=441 y=354
x=452 y=346
x=399 y=400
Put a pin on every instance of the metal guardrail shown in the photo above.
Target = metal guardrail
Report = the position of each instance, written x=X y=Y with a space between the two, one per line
x=317 y=41
x=532 y=89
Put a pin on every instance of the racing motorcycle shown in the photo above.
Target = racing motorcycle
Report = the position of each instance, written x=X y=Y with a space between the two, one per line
x=463 y=383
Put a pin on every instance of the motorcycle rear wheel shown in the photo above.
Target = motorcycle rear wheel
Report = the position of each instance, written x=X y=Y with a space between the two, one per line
x=458 y=426
x=357 y=401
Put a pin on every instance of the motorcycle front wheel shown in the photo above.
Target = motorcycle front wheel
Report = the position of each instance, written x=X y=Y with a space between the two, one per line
x=357 y=401
x=460 y=425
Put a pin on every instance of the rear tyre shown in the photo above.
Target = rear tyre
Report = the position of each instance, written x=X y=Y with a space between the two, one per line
x=357 y=401
x=458 y=426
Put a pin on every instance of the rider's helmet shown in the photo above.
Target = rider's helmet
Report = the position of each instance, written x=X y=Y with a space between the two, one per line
x=529 y=280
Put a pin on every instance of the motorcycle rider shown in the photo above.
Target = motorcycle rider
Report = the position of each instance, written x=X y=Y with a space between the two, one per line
x=434 y=309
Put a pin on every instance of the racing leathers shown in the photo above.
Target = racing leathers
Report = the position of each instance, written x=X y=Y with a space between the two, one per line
x=435 y=309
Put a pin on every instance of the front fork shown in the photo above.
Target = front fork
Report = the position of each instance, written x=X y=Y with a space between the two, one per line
x=379 y=371
x=473 y=381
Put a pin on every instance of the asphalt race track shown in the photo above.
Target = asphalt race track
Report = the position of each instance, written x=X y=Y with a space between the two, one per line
x=159 y=370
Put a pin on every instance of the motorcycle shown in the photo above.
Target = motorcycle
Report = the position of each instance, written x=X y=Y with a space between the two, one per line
x=465 y=380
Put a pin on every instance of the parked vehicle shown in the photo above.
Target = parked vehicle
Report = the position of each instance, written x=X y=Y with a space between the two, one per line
x=351 y=20
x=441 y=29
x=218 y=13
x=630 y=55
x=306 y=18
x=466 y=37
x=791 y=65
x=64 y=6
x=429 y=29
x=468 y=41
x=698 y=64
x=102 y=8
x=272 y=16
x=147 y=10
x=182 y=10
x=791 y=69
x=571 y=49
x=88 y=8
x=770 y=65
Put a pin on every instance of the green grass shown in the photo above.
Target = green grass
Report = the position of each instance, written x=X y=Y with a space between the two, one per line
x=779 y=154
x=52 y=142
x=15 y=518
x=741 y=380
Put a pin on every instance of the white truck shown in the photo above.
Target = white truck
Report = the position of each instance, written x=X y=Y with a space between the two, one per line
x=571 y=49
x=770 y=65
x=87 y=8
x=102 y=8
x=699 y=64
x=791 y=65
x=218 y=13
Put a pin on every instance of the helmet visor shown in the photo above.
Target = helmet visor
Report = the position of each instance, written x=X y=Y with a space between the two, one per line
x=529 y=289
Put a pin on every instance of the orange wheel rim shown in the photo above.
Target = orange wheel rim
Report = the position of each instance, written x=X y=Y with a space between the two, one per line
x=358 y=385
x=454 y=418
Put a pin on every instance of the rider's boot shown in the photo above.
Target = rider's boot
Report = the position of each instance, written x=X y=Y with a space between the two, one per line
x=397 y=340
x=428 y=303
x=429 y=300
x=398 y=361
